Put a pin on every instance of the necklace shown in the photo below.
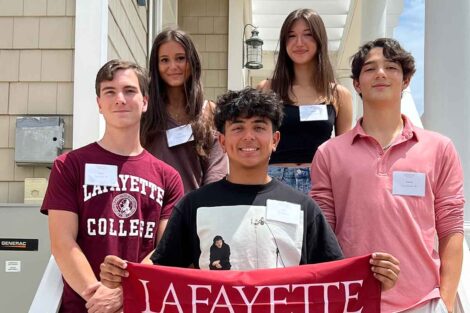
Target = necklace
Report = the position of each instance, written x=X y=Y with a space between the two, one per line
x=393 y=139
x=179 y=117
x=387 y=146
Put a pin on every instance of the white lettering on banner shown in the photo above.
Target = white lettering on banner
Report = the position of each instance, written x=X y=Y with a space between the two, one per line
x=127 y=182
x=194 y=298
x=271 y=296
x=347 y=297
x=223 y=300
x=242 y=294
x=228 y=305
x=123 y=228
x=147 y=302
x=176 y=302
x=325 y=293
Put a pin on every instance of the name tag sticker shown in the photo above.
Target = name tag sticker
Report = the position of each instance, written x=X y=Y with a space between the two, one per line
x=313 y=112
x=282 y=211
x=409 y=184
x=101 y=175
x=179 y=135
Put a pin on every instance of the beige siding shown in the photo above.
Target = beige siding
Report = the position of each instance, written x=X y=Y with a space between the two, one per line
x=207 y=23
x=36 y=77
x=127 y=31
x=4 y=89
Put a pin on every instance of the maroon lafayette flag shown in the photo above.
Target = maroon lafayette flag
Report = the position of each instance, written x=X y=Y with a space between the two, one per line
x=340 y=286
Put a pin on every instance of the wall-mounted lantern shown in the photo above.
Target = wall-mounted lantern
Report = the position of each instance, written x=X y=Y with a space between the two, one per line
x=253 y=50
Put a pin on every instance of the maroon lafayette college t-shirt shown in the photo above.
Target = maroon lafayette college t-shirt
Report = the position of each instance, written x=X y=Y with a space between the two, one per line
x=120 y=220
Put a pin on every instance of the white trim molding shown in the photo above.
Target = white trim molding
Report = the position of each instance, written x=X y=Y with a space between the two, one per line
x=91 y=52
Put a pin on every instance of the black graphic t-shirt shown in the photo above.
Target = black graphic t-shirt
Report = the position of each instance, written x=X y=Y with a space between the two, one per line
x=265 y=226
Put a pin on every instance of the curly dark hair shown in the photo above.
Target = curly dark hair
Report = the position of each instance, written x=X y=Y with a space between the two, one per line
x=391 y=50
x=247 y=103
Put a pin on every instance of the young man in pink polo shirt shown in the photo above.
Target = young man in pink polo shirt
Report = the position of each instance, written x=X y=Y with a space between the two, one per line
x=389 y=186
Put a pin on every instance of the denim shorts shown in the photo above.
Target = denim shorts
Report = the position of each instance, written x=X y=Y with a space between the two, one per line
x=296 y=177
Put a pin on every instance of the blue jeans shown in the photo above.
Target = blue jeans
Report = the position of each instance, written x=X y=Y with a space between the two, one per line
x=296 y=177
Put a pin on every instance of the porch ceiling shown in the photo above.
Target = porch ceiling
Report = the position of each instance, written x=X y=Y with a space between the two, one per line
x=268 y=15
x=342 y=20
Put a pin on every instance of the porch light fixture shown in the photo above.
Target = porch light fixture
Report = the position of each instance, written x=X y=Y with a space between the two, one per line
x=253 y=50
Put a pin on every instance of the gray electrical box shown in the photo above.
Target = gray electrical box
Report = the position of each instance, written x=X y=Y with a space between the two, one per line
x=39 y=139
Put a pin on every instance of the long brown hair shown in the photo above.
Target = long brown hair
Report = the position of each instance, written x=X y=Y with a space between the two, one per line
x=323 y=79
x=154 y=121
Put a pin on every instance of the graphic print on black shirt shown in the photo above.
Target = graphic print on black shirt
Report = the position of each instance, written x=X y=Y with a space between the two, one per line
x=255 y=242
x=219 y=255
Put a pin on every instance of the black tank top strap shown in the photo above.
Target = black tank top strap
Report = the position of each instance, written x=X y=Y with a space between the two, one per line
x=300 y=140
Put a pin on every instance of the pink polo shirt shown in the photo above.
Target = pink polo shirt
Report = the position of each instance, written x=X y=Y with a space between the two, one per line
x=352 y=181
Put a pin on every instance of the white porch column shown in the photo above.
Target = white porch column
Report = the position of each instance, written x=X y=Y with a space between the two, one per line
x=91 y=49
x=408 y=107
x=447 y=80
x=235 y=44
x=374 y=19
x=373 y=25
x=344 y=78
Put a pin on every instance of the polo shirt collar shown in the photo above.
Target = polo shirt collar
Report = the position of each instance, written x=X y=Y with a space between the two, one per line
x=409 y=130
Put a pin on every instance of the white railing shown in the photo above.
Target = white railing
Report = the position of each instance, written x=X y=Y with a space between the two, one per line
x=49 y=293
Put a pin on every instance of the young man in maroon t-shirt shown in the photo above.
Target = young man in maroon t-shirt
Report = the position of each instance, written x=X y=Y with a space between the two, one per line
x=109 y=197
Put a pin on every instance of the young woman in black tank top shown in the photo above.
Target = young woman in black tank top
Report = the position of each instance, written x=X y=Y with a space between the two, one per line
x=314 y=103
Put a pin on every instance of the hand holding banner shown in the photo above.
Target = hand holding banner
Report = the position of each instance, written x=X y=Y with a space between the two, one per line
x=340 y=286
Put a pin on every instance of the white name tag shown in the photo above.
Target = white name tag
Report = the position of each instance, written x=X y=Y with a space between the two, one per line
x=409 y=184
x=179 y=135
x=101 y=174
x=282 y=211
x=313 y=112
